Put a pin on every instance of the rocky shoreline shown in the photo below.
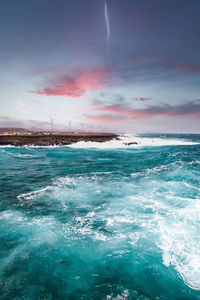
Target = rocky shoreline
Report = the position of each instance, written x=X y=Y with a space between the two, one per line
x=54 y=139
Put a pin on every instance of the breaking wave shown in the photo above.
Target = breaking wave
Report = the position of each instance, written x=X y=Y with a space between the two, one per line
x=134 y=141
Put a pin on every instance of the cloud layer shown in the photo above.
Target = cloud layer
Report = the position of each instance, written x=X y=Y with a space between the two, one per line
x=193 y=68
x=122 y=112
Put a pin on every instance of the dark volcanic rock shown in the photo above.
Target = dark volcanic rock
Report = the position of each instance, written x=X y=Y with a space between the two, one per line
x=132 y=143
x=54 y=139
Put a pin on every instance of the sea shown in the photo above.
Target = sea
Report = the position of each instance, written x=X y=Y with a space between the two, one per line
x=113 y=220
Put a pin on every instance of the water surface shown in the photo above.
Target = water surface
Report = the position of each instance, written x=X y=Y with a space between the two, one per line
x=111 y=222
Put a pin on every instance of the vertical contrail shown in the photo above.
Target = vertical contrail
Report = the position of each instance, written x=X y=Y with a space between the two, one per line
x=107 y=22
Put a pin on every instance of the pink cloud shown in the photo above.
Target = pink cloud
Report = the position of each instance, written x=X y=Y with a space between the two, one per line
x=142 y=99
x=132 y=61
x=188 y=67
x=77 y=84
x=128 y=112
x=138 y=59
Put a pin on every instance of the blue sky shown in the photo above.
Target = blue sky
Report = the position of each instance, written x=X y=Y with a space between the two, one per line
x=132 y=67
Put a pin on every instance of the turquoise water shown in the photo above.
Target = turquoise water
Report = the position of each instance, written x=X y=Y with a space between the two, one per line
x=95 y=223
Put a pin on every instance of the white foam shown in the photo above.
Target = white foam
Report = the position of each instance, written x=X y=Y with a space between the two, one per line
x=33 y=194
x=36 y=146
x=132 y=141
x=29 y=146
x=7 y=146
x=23 y=155
x=123 y=296
x=179 y=241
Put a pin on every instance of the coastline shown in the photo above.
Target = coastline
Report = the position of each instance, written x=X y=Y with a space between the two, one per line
x=43 y=139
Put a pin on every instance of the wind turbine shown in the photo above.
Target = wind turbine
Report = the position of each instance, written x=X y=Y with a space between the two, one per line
x=70 y=125
x=52 y=120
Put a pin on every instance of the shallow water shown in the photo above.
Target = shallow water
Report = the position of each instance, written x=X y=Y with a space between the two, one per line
x=111 y=222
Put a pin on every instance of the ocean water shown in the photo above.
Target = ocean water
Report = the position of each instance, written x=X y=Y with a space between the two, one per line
x=101 y=221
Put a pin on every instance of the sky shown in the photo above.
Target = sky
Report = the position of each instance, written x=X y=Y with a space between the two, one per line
x=115 y=65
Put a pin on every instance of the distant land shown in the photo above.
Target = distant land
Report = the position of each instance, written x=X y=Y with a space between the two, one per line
x=22 y=137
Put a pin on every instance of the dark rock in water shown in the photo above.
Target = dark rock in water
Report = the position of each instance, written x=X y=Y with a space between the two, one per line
x=62 y=262
x=132 y=143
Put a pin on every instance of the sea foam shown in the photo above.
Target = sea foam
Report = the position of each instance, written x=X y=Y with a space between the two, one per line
x=133 y=141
